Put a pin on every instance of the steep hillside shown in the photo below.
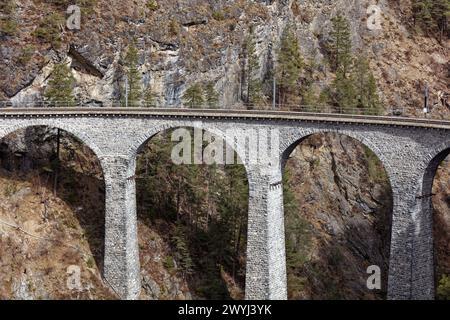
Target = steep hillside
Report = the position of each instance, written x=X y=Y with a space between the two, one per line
x=182 y=42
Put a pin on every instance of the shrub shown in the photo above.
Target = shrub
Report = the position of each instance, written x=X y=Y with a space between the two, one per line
x=174 y=27
x=152 y=5
x=49 y=29
x=218 y=15
x=26 y=55
x=8 y=27
x=7 y=7
x=90 y=262
x=59 y=2
x=374 y=167
x=169 y=264
x=443 y=288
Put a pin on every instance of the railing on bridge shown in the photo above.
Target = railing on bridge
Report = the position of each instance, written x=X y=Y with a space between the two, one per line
x=328 y=109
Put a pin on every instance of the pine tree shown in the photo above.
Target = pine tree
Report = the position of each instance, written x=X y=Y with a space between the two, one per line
x=310 y=100
x=309 y=97
x=150 y=98
x=8 y=23
x=341 y=45
x=211 y=96
x=440 y=12
x=59 y=92
x=181 y=242
x=289 y=66
x=344 y=92
x=60 y=85
x=133 y=76
x=49 y=29
x=8 y=6
x=206 y=209
x=354 y=85
x=373 y=99
x=365 y=86
x=254 y=85
x=193 y=97
x=422 y=13
x=443 y=288
x=432 y=15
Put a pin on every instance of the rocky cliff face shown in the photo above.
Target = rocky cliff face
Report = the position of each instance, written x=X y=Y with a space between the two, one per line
x=185 y=41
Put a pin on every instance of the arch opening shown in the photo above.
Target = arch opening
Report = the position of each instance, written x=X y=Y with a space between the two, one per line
x=52 y=216
x=338 y=208
x=192 y=222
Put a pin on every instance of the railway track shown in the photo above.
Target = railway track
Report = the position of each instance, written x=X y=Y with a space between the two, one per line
x=225 y=114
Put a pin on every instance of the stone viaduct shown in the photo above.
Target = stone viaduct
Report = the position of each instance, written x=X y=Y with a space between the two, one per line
x=410 y=150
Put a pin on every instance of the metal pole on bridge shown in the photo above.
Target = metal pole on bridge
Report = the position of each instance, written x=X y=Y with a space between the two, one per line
x=274 y=94
x=126 y=91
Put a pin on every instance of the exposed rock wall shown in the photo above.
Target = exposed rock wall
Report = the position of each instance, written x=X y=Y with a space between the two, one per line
x=200 y=41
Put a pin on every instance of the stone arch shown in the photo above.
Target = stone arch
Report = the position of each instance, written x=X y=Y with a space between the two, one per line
x=149 y=134
x=423 y=247
x=91 y=148
x=288 y=145
x=297 y=136
x=431 y=163
x=72 y=130
x=144 y=138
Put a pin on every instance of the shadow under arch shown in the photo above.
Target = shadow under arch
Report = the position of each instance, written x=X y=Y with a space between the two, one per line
x=435 y=159
x=428 y=226
x=208 y=235
x=81 y=190
x=382 y=207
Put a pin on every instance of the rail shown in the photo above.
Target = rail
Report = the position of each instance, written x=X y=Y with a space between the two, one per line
x=305 y=113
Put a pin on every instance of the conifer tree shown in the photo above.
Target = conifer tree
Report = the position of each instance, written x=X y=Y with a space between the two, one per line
x=341 y=45
x=354 y=85
x=181 y=243
x=365 y=86
x=193 y=97
x=422 y=13
x=344 y=92
x=289 y=66
x=133 y=76
x=432 y=15
x=8 y=23
x=150 y=98
x=440 y=13
x=60 y=86
x=59 y=92
x=211 y=95
x=310 y=99
x=49 y=29
x=7 y=6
